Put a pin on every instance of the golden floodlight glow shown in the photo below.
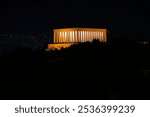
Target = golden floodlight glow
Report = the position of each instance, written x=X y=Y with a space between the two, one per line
x=76 y=35
x=58 y=46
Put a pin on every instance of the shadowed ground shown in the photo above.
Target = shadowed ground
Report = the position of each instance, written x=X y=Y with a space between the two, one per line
x=84 y=71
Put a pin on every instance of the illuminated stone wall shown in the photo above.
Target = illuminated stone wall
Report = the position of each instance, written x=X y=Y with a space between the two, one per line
x=75 y=35
x=64 y=38
x=58 y=46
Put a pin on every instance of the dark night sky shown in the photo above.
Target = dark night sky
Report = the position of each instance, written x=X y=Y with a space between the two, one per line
x=128 y=18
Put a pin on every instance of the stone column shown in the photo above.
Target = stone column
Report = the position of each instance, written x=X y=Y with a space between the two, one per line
x=61 y=37
x=67 y=37
x=105 y=36
x=89 y=36
x=95 y=35
x=78 y=35
x=75 y=36
x=85 y=36
x=57 y=37
x=84 y=39
x=70 y=37
x=64 y=36
x=81 y=36
x=55 y=34
x=98 y=36
x=54 y=37
x=92 y=35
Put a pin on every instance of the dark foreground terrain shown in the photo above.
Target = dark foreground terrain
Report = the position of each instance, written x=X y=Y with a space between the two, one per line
x=118 y=70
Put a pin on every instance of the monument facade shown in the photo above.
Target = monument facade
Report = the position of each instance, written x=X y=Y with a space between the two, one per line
x=68 y=36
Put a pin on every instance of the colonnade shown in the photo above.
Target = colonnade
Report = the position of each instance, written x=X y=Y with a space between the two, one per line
x=75 y=36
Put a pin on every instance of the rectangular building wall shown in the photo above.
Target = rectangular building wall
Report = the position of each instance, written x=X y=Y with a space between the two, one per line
x=76 y=35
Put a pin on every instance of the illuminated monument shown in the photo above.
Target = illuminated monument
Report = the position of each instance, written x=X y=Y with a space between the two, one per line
x=68 y=36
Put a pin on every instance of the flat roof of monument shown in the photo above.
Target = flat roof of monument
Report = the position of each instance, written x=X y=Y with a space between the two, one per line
x=90 y=29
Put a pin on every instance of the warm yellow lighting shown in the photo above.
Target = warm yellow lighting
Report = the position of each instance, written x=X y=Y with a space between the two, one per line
x=58 y=46
x=73 y=35
x=66 y=37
